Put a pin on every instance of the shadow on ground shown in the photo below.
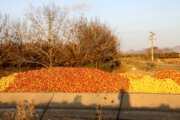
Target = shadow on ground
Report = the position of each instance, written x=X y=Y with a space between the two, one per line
x=79 y=111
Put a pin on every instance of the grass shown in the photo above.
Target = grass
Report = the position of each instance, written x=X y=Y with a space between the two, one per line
x=105 y=66
x=25 y=111
x=143 y=66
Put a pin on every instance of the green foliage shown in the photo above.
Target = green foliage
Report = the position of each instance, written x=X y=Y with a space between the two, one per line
x=105 y=66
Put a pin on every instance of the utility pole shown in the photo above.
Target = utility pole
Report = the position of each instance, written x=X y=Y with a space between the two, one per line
x=152 y=47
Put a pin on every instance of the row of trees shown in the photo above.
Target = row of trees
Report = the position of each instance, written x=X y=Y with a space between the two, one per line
x=156 y=55
x=48 y=37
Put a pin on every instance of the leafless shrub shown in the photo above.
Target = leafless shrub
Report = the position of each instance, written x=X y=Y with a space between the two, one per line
x=25 y=111
x=91 y=41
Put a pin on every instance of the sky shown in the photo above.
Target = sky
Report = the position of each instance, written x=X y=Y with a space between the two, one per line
x=132 y=19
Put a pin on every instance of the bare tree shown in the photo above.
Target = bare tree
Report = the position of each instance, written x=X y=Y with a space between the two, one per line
x=4 y=27
x=46 y=37
x=18 y=35
x=47 y=28
x=92 y=41
x=4 y=37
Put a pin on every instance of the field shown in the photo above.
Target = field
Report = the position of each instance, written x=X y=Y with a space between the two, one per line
x=143 y=66
x=170 y=60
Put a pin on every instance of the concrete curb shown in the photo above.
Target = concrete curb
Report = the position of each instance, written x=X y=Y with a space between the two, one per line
x=83 y=104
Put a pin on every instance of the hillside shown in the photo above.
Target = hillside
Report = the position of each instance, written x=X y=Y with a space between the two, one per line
x=176 y=48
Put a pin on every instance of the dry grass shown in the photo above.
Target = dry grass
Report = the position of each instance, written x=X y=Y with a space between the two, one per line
x=145 y=66
x=172 y=60
x=25 y=111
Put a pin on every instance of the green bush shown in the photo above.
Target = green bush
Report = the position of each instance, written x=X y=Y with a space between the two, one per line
x=107 y=66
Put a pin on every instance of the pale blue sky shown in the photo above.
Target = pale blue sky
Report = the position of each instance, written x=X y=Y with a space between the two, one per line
x=133 y=19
